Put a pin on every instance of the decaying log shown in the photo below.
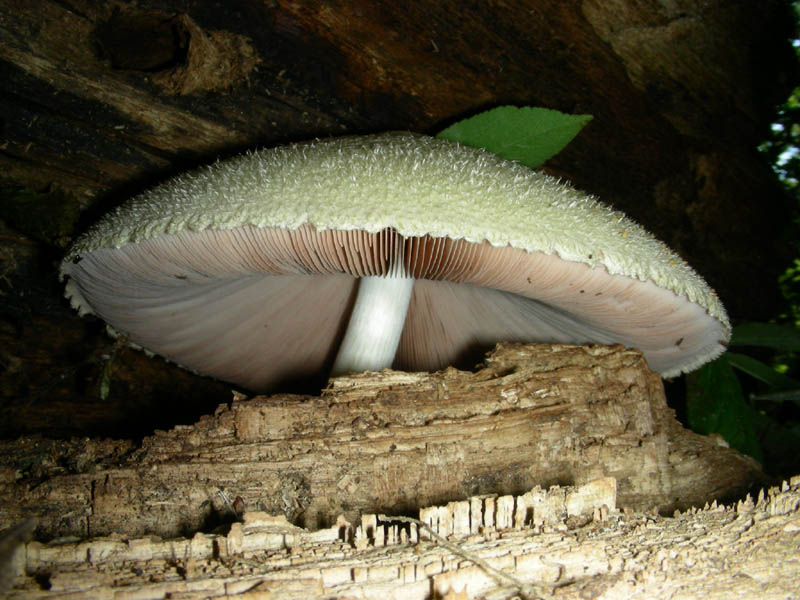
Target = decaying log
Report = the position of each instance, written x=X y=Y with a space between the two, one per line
x=386 y=442
x=560 y=543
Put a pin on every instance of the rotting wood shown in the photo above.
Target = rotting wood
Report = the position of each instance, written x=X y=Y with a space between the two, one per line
x=564 y=543
x=385 y=442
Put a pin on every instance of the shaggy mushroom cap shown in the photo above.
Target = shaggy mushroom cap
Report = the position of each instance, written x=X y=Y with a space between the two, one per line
x=384 y=250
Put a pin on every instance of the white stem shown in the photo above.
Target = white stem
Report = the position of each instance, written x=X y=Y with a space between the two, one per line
x=375 y=326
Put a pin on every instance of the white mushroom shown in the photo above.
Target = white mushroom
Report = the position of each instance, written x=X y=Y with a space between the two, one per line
x=249 y=269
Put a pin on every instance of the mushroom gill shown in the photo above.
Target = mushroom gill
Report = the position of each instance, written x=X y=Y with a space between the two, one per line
x=249 y=269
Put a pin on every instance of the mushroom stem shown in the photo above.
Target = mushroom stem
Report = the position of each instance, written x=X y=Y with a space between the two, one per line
x=376 y=323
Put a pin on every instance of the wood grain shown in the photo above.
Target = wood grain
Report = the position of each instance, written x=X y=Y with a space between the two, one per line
x=564 y=543
x=389 y=442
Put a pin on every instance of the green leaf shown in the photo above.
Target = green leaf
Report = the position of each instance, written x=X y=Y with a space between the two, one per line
x=767 y=335
x=756 y=368
x=779 y=397
x=529 y=135
x=716 y=404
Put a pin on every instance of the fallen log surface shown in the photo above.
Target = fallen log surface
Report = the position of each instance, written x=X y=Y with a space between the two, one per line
x=387 y=442
x=559 y=543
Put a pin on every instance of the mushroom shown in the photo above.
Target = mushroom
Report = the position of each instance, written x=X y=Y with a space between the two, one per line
x=364 y=252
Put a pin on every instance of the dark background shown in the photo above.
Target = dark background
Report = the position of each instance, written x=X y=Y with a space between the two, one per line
x=100 y=100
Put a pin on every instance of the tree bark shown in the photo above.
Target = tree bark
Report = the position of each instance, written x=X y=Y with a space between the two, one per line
x=389 y=442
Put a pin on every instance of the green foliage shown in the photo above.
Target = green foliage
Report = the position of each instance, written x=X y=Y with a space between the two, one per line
x=766 y=335
x=717 y=403
x=789 y=283
x=782 y=151
x=760 y=371
x=529 y=135
x=773 y=396
x=782 y=147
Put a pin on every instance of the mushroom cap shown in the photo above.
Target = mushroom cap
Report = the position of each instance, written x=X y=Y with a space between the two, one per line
x=246 y=269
